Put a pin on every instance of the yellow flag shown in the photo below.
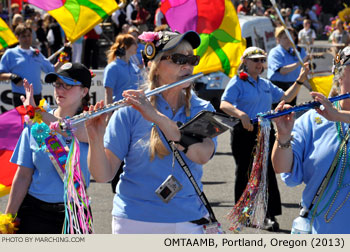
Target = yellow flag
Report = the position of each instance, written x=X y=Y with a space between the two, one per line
x=322 y=84
x=7 y=38
x=77 y=17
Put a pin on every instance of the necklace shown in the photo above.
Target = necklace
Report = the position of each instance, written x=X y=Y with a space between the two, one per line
x=343 y=161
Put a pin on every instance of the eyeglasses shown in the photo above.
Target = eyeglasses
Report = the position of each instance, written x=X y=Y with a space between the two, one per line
x=181 y=59
x=64 y=85
x=256 y=60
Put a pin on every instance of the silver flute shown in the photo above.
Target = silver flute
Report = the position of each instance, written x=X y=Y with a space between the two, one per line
x=69 y=123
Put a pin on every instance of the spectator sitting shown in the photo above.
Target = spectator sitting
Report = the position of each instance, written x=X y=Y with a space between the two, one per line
x=243 y=8
x=339 y=36
x=313 y=17
x=16 y=20
x=297 y=19
x=307 y=35
x=15 y=9
x=159 y=18
x=257 y=8
x=3 y=13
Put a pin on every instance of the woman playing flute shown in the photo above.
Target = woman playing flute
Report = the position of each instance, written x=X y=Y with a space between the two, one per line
x=311 y=151
x=135 y=134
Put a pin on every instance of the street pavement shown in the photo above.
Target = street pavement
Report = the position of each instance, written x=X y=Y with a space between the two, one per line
x=218 y=180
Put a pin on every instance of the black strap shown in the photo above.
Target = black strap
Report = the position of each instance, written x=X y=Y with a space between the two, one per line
x=330 y=172
x=188 y=173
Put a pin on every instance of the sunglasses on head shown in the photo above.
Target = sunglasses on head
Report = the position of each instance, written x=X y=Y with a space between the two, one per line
x=256 y=60
x=181 y=59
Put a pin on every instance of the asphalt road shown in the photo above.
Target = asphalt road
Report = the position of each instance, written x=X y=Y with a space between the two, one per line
x=218 y=180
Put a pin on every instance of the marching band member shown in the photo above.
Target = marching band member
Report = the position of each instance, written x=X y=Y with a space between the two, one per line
x=246 y=95
x=134 y=134
x=311 y=148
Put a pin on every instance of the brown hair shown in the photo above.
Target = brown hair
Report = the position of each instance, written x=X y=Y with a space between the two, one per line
x=156 y=146
x=21 y=29
x=122 y=41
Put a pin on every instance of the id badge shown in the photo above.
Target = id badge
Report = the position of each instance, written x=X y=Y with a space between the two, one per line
x=212 y=228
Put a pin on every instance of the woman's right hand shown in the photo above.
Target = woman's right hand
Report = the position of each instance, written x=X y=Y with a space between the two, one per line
x=284 y=123
x=29 y=98
x=96 y=126
x=246 y=122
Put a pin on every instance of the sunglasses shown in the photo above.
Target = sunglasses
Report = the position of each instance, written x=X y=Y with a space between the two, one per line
x=181 y=59
x=64 y=85
x=258 y=60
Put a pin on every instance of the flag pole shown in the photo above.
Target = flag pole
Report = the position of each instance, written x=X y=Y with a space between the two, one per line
x=119 y=6
x=301 y=62
x=10 y=14
x=52 y=56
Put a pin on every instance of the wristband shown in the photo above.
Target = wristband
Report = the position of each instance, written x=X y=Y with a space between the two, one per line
x=15 y=78
x=286 y=145
x=299 y=82
x=33 y=113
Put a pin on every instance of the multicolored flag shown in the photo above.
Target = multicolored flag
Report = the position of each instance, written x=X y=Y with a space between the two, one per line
x=77 y=17
x=217 y=23
x=7 y=38
x=11 y=126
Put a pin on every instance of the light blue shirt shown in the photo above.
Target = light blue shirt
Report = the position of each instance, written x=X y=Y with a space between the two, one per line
x=127 y=136
x=278 y=57
x=29 y=66
x=140 y=47
x=46 y=184
x=121 y=76
x=250 y=96
x=295 y=18
x=314 y=146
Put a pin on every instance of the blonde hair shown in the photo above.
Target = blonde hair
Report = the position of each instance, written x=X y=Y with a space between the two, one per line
x=16 y=20
x=156 y=146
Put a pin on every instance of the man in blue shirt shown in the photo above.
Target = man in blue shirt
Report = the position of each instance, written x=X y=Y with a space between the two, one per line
x=283 y=66
x=26 y=62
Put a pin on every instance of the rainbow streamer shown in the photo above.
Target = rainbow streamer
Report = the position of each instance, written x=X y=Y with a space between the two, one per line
x=251 y=208
x=78 y=218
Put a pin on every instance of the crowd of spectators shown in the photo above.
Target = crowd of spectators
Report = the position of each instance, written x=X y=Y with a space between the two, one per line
x=48 y=37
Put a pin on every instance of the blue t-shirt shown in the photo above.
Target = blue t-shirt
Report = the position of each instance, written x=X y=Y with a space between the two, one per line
x=121 y=76
x=314 y=146
x=279 y=57
x=29 y=66
x=127 y=136
x=250 y=96
x=140 y=47
x=46 y=184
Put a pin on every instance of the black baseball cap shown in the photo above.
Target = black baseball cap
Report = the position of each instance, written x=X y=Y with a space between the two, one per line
x=170 y=40
x=167 y=40
x=71 y=74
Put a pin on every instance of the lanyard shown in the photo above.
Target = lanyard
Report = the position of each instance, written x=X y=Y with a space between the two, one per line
x=329 y=174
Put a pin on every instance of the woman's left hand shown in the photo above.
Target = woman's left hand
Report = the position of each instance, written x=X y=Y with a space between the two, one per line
x=328 y=111
x=138 y=100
